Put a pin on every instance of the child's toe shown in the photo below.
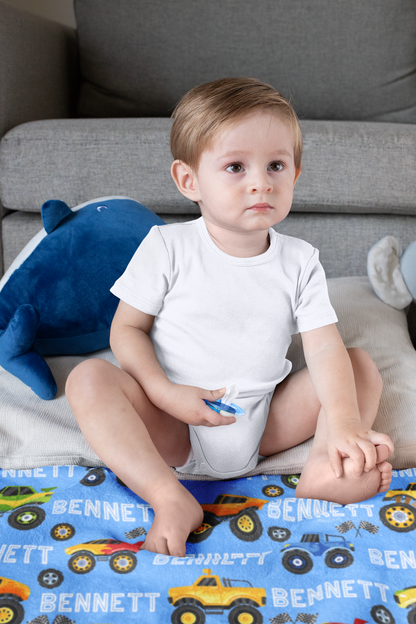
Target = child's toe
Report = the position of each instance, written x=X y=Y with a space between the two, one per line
x=383 y=452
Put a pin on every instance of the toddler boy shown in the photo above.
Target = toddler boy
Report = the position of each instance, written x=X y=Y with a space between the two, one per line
x=214 y=301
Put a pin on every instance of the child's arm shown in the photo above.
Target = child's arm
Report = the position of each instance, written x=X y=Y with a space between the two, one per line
x=333 y=379
x=135 y=354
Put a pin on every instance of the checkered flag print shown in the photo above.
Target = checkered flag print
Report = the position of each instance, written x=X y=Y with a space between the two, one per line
x=371 y=528
x=62 y=619
x=345 y=526
x=135 y=532
x=41 y=619
x=305 y=617
x=281 y=619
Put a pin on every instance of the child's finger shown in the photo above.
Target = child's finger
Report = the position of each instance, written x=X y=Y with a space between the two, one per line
x=176 y=547
x=370 y=454
x=215 y=419
x=214 y=395
x=335 y=463
x=358 y=457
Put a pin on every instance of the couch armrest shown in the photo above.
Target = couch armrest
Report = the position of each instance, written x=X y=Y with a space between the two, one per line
x=38 y=68
x=2 y=212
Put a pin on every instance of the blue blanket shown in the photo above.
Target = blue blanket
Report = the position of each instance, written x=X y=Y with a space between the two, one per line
x=70 y=552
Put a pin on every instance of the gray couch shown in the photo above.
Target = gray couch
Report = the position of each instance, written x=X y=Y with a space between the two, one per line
x=86 y=114
x=99 y=100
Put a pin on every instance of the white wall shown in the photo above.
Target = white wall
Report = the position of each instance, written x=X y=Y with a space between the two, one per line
x=57 y=10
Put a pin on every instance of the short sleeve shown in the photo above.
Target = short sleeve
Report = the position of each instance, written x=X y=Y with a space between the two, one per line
x=145 y=281
x=313 y=307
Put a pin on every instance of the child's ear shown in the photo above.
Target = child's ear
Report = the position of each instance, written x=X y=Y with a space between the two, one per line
x=297 y=174
x=185 y=179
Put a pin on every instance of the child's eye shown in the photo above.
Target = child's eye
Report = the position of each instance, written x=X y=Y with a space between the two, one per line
x=235 y=168
x=276 y=166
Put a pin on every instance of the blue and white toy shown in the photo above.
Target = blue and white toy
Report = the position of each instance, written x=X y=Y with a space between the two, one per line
x=55 y=298
x=392 y=273
x=225 y=406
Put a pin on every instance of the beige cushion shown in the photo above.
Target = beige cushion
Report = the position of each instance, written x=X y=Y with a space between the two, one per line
x=37 y=433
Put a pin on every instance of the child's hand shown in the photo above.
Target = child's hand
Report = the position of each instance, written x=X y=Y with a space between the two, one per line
x=186 y=403
x=351 y=439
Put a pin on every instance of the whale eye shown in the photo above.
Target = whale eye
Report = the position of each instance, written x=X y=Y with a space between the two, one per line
x=99 y=208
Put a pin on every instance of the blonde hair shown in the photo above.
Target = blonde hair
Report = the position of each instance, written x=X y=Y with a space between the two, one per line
x=208 y=108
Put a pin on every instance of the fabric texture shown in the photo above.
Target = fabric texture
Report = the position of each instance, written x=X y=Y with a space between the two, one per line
x=348 y=167
x=247 y=308
x=38 y=68
x=334 y=59
x=35 y=433
x=71 y=552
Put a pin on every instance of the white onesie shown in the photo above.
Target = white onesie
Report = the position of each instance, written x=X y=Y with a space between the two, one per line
x=222 y=319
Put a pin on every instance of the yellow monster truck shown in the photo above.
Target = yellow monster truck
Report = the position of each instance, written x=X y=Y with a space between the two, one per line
x=211 y=594
x=406 y=598
x=400 y=515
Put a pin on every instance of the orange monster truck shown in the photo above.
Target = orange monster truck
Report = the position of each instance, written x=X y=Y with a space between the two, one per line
x=12 y=593
x=241 y=511
x=121 y=555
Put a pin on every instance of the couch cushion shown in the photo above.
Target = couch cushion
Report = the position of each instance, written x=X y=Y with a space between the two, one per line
x=37 y=433
x=336 y=59
x=38 y=67
x=347 y=166
x=343 y=240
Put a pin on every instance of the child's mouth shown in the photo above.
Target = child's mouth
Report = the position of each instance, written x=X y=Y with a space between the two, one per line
x=261 y=207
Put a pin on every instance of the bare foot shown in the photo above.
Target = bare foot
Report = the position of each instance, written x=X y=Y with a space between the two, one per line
x=177 y=513
x=318 y=480
x=386 y=473
x=383 y=452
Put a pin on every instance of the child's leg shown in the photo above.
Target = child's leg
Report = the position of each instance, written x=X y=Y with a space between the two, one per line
x=296 y=414
x=138 y=442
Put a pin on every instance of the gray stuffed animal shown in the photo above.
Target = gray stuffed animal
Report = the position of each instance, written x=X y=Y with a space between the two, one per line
x=392 y=273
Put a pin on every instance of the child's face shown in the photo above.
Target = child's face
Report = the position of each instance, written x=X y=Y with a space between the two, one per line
x=245 y=180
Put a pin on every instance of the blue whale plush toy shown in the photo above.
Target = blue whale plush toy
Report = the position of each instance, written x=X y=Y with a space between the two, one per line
x=55 y=298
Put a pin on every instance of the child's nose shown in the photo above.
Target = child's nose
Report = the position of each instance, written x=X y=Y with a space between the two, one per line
x=260 y=184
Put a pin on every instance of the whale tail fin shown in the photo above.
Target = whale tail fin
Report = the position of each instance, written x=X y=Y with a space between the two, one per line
x=18 y=356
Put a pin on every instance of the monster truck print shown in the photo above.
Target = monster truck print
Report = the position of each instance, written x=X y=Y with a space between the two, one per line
x=297 y=555
x=400 y=514
x=122 y=555
x=12 y=594
x=241 y=511
x=379 y=613
x=211 y=594
x=22 y=502
x=406 y=599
